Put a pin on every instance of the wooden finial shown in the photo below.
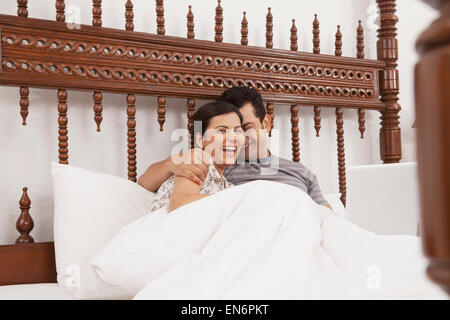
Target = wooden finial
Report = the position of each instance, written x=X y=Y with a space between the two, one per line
x=317 y=120
x=24 y=223
x=341 y=154
x=160 y=29
x=97 y=13
x=338 y=42
x=22 y=8
x=131 y=137
x=60 y=10
x=190 y=24
x=190 y=116
x=360 y=41
x=24 y=104
x=244 y=30
x=219 y=23
x=98 y=108
x=63 y=139
x=294 y=37
x=161 y=112
x=316 y=35
x=362 y=121
x=294 y=132
x=269 y=29
x=270 y=111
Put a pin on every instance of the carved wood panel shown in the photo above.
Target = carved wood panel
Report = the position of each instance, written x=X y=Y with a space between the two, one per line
x=44 y=53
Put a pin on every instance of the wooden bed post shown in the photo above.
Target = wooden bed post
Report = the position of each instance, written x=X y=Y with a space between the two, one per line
x=432 y=82
x=387 y=51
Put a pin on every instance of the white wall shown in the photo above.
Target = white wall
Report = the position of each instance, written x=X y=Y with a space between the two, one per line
x=26 y=152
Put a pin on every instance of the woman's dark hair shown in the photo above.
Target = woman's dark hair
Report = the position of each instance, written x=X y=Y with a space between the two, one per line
x=206 y=112
x=238 y=96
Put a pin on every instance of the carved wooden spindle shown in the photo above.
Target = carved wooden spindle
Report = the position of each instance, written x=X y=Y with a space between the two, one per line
x=97 y=13
x=190 y=101
x=60 y=10
x=219 y=23
x=317 y=120
x=387 y=51
x=244 y=30
x=294 y=37
x=362 y=121
x=98 y=108
x=270 y=111
x=360 y=41
x=341 y=154
x=269 y=29
x=316 y=35
x=24 y=104
x=62 y=101
x=316 y=50
x=22 y=8
x=131 y=109
x=97 y=22
x=360 y=55
x=24 y=223
x=190 y=24
x=63 y=139
x=160 y=29
x=129 y=16
x=161 y=112
x=131 y=137
x=340 y=131
x=295 y=131
x=338 y=43
x=190 y=116
x=22 y=11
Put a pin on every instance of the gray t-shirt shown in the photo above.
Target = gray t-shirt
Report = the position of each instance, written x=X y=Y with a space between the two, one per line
x=279 y=170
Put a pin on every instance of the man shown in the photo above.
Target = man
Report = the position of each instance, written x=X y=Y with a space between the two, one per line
x=259 y=163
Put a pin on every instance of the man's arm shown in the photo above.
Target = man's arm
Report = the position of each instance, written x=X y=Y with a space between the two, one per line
x=190 y=165
x=156 y=174
x=316 y=194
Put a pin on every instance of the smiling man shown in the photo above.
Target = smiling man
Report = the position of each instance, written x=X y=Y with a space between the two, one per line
x=255 y=163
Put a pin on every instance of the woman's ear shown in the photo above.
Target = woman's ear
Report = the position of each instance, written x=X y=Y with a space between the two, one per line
x=198 y=140
x=267 y=123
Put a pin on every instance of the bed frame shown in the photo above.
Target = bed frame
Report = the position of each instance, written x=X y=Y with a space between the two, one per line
x=61 y=56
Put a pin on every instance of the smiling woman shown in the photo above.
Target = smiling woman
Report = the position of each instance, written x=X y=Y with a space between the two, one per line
x=219 y=138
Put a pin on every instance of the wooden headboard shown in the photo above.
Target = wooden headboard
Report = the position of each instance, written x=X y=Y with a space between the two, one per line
x=58 y=56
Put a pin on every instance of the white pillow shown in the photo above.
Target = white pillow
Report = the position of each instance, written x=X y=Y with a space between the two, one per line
x=89 y=208
x=334 y=200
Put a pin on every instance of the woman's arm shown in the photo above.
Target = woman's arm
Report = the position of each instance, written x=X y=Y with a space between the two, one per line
x=184 y=192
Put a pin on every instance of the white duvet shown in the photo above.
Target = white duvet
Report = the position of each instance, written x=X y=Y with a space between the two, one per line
x=261 y=240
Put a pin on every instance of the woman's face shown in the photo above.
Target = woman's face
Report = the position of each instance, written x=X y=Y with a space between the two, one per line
x=223 y=138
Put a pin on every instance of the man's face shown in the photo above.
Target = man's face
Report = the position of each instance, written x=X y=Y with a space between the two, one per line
x=255 y=133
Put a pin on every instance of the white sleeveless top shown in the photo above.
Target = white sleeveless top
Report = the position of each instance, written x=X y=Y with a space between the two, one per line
x=213 y=183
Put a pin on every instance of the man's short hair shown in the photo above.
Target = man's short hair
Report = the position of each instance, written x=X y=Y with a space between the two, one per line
x=239 y=96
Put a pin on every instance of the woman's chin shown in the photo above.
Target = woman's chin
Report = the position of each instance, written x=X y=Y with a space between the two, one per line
x=228 y=161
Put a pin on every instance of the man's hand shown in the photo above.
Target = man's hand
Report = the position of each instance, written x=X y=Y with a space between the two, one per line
x=193 y=165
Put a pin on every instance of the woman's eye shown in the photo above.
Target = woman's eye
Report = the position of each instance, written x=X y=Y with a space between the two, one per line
x=222 y=131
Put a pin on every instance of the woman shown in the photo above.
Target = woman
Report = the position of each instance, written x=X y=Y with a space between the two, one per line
x=219 y=136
